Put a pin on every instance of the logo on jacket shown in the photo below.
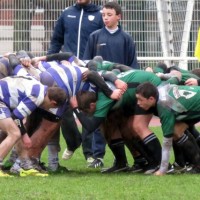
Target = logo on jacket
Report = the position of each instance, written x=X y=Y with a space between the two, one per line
x=71 y=16
x=91 y=17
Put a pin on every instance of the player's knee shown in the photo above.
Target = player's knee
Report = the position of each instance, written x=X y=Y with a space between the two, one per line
x=16 y=134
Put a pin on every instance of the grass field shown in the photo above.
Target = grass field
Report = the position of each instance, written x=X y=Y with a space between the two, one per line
x=82 y=183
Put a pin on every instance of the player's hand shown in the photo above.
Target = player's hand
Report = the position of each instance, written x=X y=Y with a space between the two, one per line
x=159 y=173
x=84 y=75
x=26 y=141
x=26 y=62
x=65 y=62
x=73 y=102
x=7 y=54
x=117 y=94
x=121 y=85
x=35 y=61
x=159 y=74
x=191 y=81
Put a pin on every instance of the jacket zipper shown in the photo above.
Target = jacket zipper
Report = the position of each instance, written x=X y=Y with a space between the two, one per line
x=79 y=33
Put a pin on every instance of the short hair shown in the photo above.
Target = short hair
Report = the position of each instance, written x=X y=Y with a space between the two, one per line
x=113 y=5
x=162 y=66
x=85 y=98
x=196 y=72
x=147 y=90
x=57 y=94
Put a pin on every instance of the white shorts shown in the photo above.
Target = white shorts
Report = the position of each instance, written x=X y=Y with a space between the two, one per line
x=4 y=111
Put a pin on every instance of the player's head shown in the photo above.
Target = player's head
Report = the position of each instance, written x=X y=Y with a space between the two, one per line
x=160 y=67
x=87 y=101
x=54 y=98
x=92 y=65
x=83 y=2
x=147 y=95
x=196 y=72
x=111 y=14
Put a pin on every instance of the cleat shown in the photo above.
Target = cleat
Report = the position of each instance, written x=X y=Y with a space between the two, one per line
x=170 y=169
x=150 y=169
x=193 y=170
x=2 y=174
x=139 y=165
x=15 y=169
x=7 y=165
x=180 y=169
x=31 y=172
x=96 y=163
x=115 y=169
x=90 y=160
x=39 y=166
x=136 y=168
x=59 y=170
x=67 y=154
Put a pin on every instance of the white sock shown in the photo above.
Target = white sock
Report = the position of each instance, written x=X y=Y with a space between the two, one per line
x=53 y=160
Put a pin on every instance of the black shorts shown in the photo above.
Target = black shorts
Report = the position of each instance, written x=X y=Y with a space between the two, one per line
x=33 y=121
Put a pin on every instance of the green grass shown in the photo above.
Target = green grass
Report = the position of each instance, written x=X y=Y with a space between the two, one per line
x=87 y=184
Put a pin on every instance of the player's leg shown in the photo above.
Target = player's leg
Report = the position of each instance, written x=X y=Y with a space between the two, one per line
x=188 y=145
x=70 y=133
x=115 y=143
x=98 y=147
x=151 y=143
x=13 y=135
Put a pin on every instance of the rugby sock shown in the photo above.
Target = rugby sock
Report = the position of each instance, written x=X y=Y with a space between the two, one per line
x=17 y=164
x=194 y=131
x=153 y=148
x=13 y=156
x=117 y=148
x=137 y=146
x=190 y=149
x=26 y=164
x=192 y=138
x=167 y=144
x=178 y=155
x=53 y=160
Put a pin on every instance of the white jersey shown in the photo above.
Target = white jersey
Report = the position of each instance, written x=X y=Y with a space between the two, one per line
x=22 y=94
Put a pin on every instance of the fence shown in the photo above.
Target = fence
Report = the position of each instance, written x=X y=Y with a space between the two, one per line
x=162 y=29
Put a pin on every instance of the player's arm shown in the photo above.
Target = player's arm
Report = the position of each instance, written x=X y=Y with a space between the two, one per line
x=89 y=123
x=122 y=68
x=53 y=57
x=173 y=77
x=98 y=81
x=192 y=81
x=110 y=76
x=168 y=122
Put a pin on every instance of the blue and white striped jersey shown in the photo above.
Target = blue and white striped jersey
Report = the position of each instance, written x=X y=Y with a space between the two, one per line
x=22 y=94
x=66 y=76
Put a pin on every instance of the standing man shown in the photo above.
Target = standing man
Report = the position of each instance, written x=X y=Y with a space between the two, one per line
x=74 y=26
x=71 y=33
x=111 y=43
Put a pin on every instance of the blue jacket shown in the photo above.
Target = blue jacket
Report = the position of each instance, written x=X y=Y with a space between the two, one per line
x=73 y=28
x=117 y=47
